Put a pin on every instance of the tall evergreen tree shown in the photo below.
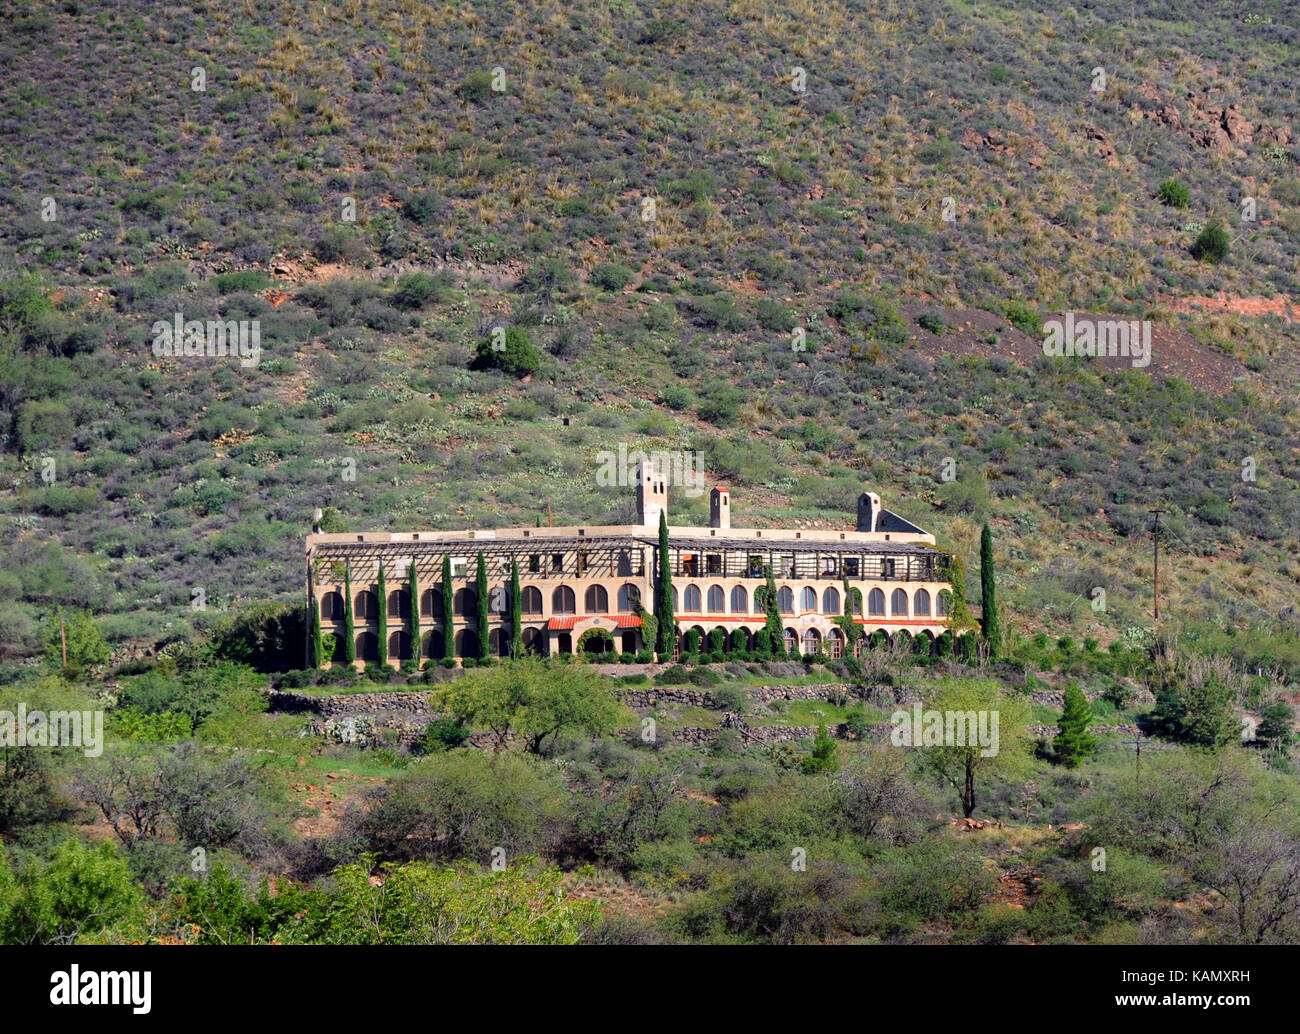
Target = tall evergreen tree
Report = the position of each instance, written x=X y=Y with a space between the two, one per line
x=664 y=610
x=448 y=620
x=516 y=613
x=383 y=618
x=349 y=625
x=415 y=615
x=1074 y=743
x=317 y=644
x=988 y=598
x=481 y=591
x=775 y=633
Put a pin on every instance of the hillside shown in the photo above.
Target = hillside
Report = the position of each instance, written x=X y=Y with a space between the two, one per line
x=820 y=245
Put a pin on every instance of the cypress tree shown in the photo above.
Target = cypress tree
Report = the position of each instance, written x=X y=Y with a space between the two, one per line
x=383 y=619
x=448 y=622
x=775 y=633
x=988 y=601
x=415 y=616
x=516 y=613
x=664 y=611
x=349 y=626
x=1074 y=743
x=317 y=646
x=481 y=591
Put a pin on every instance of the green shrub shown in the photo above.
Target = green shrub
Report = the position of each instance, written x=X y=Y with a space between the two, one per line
x=1212 y=244
x=475 y=87
x=442 y=734
x=250 y=280
x=932 y=321
x=1173 y=194
x=1023 y=316
x=416 y=290
x=516 y=354
x=611 y=276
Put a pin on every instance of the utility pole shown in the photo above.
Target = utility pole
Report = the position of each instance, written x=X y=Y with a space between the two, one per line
x=1155 y=554
x=1138 y=744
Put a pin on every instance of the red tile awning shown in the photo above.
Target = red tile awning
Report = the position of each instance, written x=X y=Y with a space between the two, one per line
x=627 y=621
x=561 y=624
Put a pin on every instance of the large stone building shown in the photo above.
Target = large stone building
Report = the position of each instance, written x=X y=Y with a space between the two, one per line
x=573 y=580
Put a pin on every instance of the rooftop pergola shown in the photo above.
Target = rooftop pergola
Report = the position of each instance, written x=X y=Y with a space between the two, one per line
x=724 y=555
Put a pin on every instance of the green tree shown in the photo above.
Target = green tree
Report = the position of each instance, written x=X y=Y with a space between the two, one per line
x=349 y=624
x=510 y=351
x=383 y=619
x=664 y=611
x=414 y=582
x=481 y=594
x=988 y=595
x=1210 y=720
x=772 y=626
x=1170 y=709
x=448 y=621
x=1276 y=719
x=533 y=698
x=1074 y=743
x=516 y=613
x=85 y=644
x=824 y=754
x=317 y=643
x=964 y=765
x=851 y=629
x=959 y=617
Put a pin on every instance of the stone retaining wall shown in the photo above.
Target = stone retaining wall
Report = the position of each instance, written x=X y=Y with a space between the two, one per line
x=398 y=718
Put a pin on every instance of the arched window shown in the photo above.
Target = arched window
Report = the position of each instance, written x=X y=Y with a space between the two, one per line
x=563 y=601
x=855 y=600
x=692 y=597
x=597 y=600
x=531 y=603
x=367 y=608
x=944 y=603
x=898 y=603
x=399 y=646
x=758 y=601
x=368 y=647
x=466 y=643
x=534 y=641
x=466 y=603
x=331 y=607
x=921 y=603
x=808 y=598
x=499 y=643
x=831 y=601
x=812 y=641
x=835 y=643
x=676 y=602
x=717 y=600
x=431 y=604
x=785 y=600
x=739 y=600
x=431 y=648
x=876 y=603
x=791 y=640
x=629 y=598
x=399 y=604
